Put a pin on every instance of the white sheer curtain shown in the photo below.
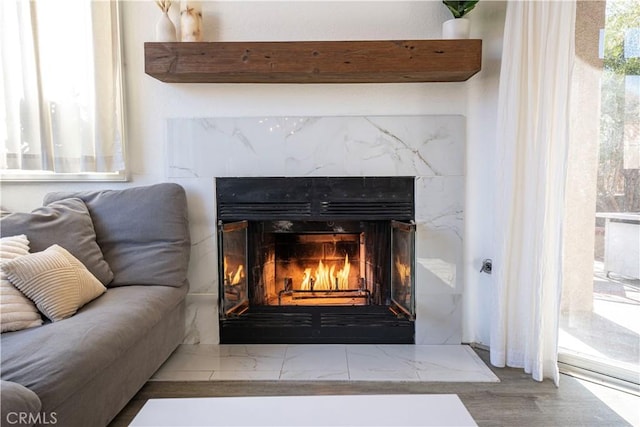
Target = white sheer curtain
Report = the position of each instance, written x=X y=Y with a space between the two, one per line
x=532 y=141
x=61 y=87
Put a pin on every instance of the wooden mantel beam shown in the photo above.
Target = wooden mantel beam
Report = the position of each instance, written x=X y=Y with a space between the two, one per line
x=384 y=61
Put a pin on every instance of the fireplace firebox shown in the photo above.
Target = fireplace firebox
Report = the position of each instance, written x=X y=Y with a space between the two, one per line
x=316 y=259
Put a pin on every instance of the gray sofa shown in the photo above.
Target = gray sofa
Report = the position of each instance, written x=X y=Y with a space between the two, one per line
x=81 y=371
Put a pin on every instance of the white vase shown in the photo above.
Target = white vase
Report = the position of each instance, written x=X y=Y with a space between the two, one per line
x=457 y=28
x=165 y=30
x=190 y=21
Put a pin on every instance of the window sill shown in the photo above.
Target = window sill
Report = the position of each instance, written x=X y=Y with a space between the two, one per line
x=47 y=176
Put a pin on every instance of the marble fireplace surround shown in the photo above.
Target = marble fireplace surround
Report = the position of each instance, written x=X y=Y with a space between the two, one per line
x=428 y=147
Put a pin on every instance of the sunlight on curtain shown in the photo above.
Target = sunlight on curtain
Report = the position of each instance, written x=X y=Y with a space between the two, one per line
x=62 y=109
x=533 y=123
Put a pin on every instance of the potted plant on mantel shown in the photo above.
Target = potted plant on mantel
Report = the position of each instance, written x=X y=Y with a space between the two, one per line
x=459 y=26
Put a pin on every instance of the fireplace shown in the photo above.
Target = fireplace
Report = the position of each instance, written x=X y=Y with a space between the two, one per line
x=316 y=259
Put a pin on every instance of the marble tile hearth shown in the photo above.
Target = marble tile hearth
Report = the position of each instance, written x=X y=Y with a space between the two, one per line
x=337 y=362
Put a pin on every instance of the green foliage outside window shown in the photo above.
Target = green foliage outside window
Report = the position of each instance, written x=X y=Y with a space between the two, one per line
x=618 y=172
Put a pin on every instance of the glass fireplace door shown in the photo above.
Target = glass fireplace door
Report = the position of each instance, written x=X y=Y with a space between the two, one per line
x=403 y=267
x=234 y=295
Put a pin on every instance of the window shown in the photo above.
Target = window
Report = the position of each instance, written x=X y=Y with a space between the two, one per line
x=599 y=329
x=61 y=83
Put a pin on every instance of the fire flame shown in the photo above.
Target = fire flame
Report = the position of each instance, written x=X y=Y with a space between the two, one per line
x=404 y=271
x=326 y=278
x=233 y=277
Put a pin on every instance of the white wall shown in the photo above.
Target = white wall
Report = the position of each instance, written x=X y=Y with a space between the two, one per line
x=149 y=102
x=482 y=93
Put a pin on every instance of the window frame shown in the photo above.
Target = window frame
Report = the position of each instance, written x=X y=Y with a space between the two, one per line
x=20 y=175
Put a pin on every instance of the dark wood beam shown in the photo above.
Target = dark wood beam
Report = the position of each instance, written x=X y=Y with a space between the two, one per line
x=384 y=61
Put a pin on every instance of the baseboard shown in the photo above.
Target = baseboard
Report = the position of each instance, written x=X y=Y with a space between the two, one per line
x=477 y=345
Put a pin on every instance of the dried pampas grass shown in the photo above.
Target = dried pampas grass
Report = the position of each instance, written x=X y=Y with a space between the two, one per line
x=164 y=5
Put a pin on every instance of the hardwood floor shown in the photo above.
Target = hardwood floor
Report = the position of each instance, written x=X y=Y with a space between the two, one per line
x=516 y=401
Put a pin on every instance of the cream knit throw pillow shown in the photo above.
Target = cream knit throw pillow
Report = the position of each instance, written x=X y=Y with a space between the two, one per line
x=16 y=311
x=55 y=280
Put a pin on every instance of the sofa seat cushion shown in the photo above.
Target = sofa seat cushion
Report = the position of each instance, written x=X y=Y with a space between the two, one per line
x=143 y=232
x=57 y=359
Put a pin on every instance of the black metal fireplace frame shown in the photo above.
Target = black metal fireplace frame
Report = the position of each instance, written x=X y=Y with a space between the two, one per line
x=315 y=200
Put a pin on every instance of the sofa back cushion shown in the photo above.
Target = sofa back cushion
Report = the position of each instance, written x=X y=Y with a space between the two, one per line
x=66 y=223
x=143 y=232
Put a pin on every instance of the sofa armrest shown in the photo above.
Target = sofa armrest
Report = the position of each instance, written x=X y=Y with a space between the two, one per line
x=19 y=405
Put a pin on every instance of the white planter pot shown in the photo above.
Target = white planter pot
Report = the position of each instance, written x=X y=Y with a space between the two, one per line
x=165 y=30
x=456 y=28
